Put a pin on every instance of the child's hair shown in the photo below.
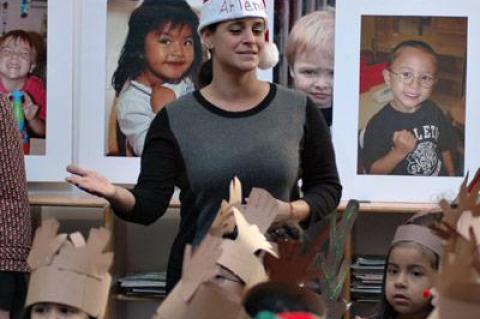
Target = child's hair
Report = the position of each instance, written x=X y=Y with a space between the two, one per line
x=148 y=17
x=385 y=310
x=395 y=52
x=314 y=32
x=40 y=52
x=280 y=297
x=20 y=35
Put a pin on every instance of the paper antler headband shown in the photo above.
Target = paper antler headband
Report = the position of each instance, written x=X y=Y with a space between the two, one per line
x=70 y=271
x=458 y=280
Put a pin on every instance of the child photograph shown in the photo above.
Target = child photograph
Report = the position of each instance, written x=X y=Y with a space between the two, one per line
x=23 y=70
x=155 y=62
x=412 y=83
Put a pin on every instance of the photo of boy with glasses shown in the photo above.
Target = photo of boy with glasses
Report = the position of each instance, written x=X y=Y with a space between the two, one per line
x=410 y=135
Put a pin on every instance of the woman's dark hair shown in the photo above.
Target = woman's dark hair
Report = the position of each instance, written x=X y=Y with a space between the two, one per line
x=153 y=15
x=280 y=297
x=205 y=75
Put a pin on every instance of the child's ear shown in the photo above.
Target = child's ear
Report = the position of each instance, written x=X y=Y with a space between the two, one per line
x=206 y=39
x=386 y=76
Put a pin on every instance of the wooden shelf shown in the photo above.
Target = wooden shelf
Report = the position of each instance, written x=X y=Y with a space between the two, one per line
x=123 y=297
x=390 y=207
x=64 y=198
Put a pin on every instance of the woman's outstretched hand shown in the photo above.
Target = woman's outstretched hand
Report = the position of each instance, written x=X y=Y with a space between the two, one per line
x=90 y=181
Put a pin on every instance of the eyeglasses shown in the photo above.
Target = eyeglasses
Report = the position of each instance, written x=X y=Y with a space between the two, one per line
x=8 y=53
x=407 y=77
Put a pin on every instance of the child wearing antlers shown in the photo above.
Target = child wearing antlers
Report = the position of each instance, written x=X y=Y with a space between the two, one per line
x=412 y=262
x=69 y=278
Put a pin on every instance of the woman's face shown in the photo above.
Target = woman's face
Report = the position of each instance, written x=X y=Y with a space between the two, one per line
x=236 y=44
x=169 y=52
x=56 y=311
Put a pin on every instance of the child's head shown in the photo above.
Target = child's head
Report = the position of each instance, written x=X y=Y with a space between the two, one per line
x=17 y=55
x=62 y=266
x=46 y=310
x=411 y=74
x=279 y=297
x=162 y=41
x=310 y=55
x=411 y=263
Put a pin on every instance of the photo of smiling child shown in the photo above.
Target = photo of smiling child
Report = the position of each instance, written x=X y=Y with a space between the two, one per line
x=17 y=62
x=410 y=135
x=158 y=63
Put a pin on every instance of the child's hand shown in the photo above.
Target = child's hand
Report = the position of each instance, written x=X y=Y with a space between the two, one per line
x=160 y=97
x=30 y=109
x=404 y=141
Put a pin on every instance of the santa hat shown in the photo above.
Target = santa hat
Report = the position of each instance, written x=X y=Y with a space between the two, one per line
x=215 y=11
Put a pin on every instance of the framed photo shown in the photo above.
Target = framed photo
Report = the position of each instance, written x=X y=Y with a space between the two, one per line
x=388 y=147
x=104 y=25
x=50 y=154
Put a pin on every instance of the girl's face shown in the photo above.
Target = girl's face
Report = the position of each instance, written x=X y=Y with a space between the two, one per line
x=409 y=274
x=15 y=59
x=236 y=44
x=169 y=53
x=313 y=74
x=409 y=77
x=56 y=311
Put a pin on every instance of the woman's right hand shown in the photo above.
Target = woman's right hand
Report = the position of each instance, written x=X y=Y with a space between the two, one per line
x=90 y=181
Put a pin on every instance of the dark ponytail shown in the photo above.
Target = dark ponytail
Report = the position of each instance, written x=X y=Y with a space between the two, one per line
x=205 y=74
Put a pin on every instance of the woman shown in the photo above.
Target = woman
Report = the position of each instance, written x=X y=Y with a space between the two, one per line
x=236 y=125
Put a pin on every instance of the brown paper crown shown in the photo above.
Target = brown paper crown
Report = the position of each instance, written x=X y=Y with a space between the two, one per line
x=418 y=234
x=458 y=280
x=70 y=271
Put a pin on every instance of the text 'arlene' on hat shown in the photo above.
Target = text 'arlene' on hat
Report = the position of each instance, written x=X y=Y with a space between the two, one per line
x=215 y=11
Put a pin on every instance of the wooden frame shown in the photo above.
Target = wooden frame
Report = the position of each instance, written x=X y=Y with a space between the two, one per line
x=345 y=128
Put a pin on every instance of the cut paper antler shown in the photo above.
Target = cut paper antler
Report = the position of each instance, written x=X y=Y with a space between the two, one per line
x=239 y=255
x=88 y=258
x=467 y=200
x=45 y=244
x=200 y=266
x=320 y=258
x=196 y=295
x=81 y=267
x=458 y=279
x=261 y=209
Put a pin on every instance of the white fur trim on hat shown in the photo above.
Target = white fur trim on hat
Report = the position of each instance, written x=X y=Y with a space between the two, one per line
x=214 y=11
x=269 y=56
